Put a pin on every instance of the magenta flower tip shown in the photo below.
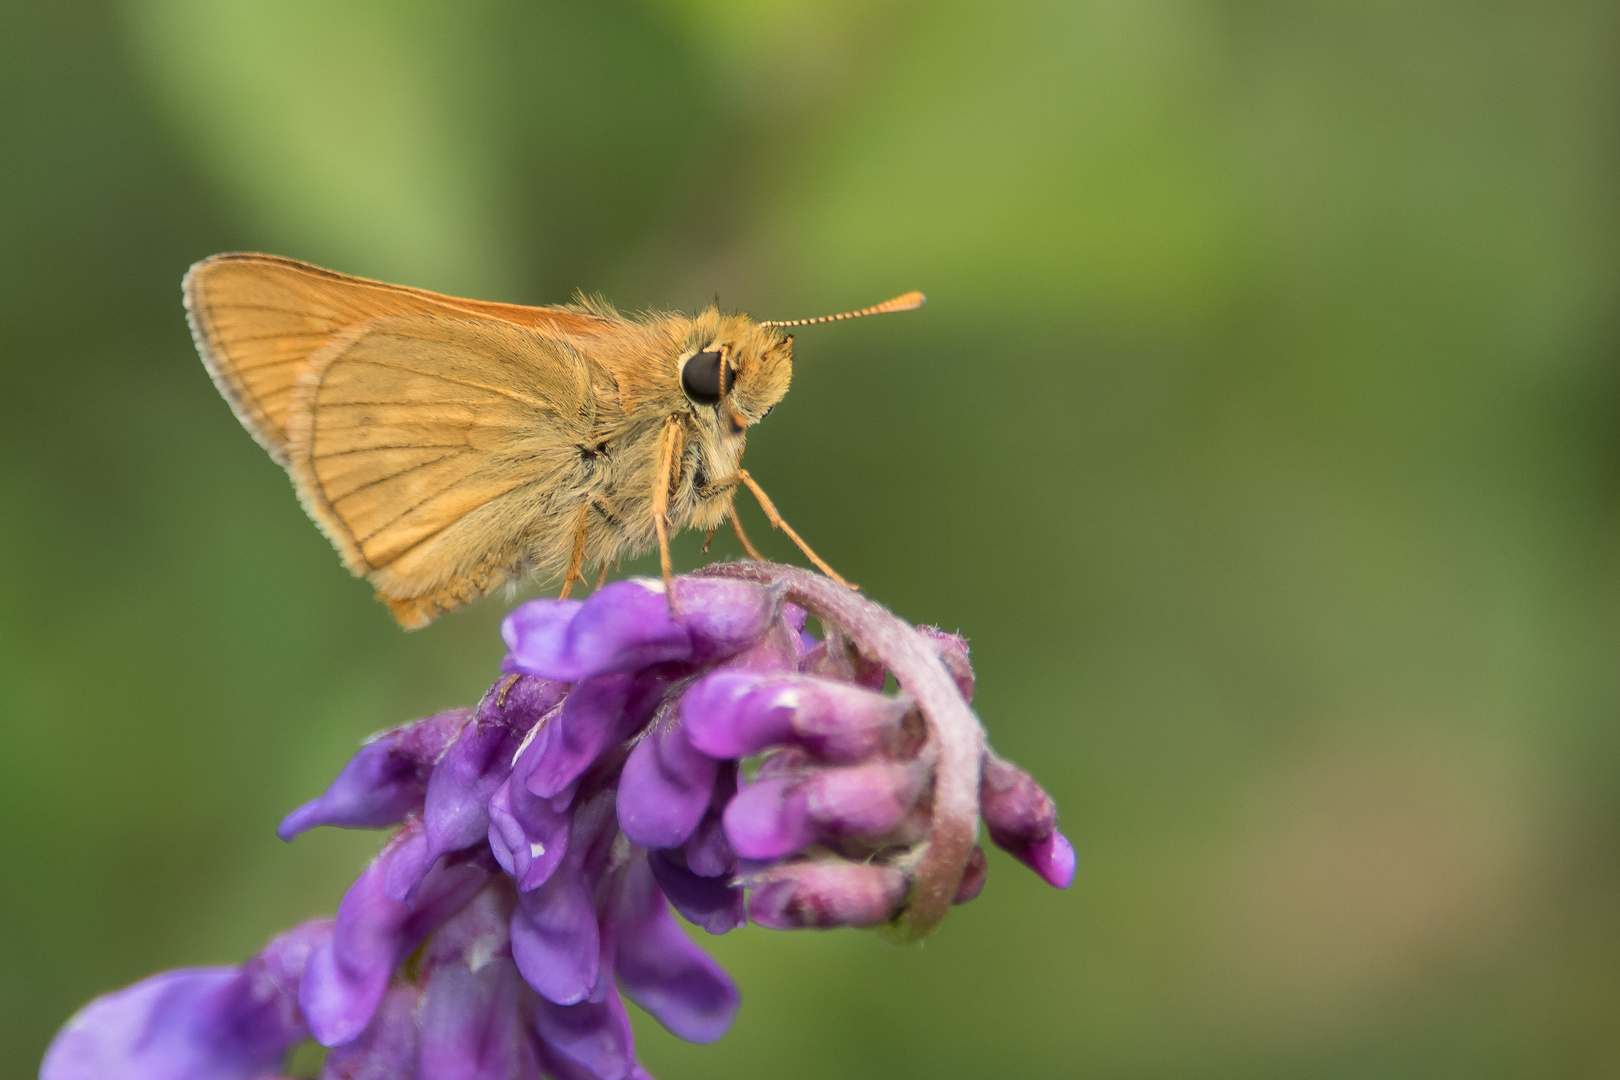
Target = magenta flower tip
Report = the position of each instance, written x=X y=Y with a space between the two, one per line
x=1053 y=859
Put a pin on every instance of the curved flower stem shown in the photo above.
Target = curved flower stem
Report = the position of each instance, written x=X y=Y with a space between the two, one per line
x=955 y=730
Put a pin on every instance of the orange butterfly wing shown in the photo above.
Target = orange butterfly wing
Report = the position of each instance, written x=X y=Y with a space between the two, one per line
x=441 y=456
x=257 y=320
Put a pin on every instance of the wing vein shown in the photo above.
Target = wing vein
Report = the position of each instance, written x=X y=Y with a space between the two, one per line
x=522 y=399
x=423 y=502
x=384 y=480
x=401 y=446
x=236 y=339
x=403 y=404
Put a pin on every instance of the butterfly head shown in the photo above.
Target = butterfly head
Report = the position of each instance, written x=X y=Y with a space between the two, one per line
x=734 y=368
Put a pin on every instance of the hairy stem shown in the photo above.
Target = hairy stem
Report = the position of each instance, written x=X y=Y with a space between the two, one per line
x=954 y=729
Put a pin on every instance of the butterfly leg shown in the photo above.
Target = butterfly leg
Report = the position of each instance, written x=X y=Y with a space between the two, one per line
x=578 y=557
x=771 y=515
x=742 y=537
x=660 y=501
x=719 y=487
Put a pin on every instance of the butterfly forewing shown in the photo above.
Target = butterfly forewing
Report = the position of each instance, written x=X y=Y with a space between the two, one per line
x=258 y=319
x=439 y=454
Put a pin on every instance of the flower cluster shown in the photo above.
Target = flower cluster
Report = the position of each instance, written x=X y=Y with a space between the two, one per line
x=699 y=750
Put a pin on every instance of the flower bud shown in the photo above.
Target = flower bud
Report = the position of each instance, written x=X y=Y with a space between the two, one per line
x=837 y=658
x=1052 y=858
x=862 y=800
x=769 y=819
x=1016 y=811
x=953 y=651
x=826 y=894
x=1022 y=821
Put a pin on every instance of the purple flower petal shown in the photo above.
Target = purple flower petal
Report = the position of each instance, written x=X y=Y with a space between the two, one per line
x=556 y=1067
x=622 y=627
x=528 y=834
x=708 y=852
x=661 y=970
x=777 y=651
x=537 y=628
x=454 y=880
x=407 y=864
x=709 y=902
x=592 y=1034
x=348 y=973
x=795 y=617
x=826 y=894
x=665 y=788
x=193 y=1024
x=732 y=714
x=456 y=812
x=474 y=1011
x=159 y=1028
x=384 y=781
x=598 y=713
x=769 y=819
x=387 y=1048
x=475 y=933
x=474 y=1023
x=723 y=617
x=555 y=939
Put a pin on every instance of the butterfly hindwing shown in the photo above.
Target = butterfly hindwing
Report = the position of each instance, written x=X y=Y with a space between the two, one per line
x=441 y=455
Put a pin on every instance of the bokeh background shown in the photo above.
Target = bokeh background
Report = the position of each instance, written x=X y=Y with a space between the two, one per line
x=1262 y=433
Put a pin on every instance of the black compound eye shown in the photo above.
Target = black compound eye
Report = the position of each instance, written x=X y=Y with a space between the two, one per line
x=700 y=378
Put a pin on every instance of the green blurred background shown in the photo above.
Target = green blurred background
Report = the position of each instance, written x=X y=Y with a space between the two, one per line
x=1261 y=433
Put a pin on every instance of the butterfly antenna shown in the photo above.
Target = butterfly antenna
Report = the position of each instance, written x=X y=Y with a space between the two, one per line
x=910 y=301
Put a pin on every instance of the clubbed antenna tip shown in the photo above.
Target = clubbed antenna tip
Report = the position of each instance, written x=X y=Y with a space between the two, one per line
x=910 y=301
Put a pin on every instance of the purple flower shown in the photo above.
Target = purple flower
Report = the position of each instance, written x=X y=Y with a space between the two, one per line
x=196 y=1023
x=643 y=754
x=385 y=781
